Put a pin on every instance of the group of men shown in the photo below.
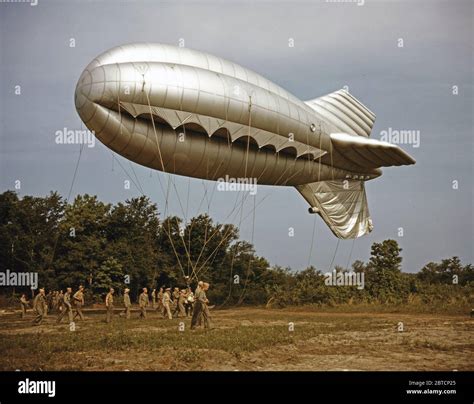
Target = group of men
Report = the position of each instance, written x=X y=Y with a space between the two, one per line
x=179 y=303
x=62 y=303
x=176 y=304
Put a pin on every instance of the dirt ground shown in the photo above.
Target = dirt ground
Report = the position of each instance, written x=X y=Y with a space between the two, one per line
x=242 y=339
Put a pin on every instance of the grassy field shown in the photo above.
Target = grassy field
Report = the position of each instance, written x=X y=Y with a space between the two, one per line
x=243 y=339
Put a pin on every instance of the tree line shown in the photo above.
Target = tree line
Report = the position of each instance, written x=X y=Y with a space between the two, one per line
x=128 y=244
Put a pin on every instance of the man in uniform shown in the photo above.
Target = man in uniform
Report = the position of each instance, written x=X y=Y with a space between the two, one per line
x=204 y=306
x=166 y=303
x=143 y=302
x=153 y=299
x=79 y=302
x=188 y=305
x=196 y=318
x=55 y=299
x=49 y=303
x=39 y=306
x=60 y=307
x=198 y=288
x=24 y=305
x=181 y=302
x=109 y=304
x=175 y=302
x=67 y=308
x=160 y=307
x=126 y=303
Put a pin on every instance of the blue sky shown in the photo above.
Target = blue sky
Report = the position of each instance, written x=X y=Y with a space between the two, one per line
x=335 y=45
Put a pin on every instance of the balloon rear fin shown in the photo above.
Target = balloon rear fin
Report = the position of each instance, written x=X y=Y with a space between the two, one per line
x=369 y=153
x=341 y=204
x=344 y=113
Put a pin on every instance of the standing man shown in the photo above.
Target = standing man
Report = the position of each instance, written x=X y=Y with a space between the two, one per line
x=24 y=305
x=109 y=305
x=160 y=301
x=197 y=314
x=204 y=306
x=143 y=302
x=198 y=288
x=39 y=306
x=55 y=300
x=79 y=302
x=153 y=299
x=49 y=303
x=127 y=303
x=175 y=302
x=67 y=308
x=197 y=309
x=189 y=302
x=166 y=303
x=60 y=307
x=181 y=302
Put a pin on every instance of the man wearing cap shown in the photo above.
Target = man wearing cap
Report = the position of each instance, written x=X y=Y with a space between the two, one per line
x=166 y=303
x=181 y=302
x=188 y=304
x=204 y=306
x=59 y=306
x=109 y=304
x=197 y=309
x=197 y=314
x=49 y=303
x=198 y=288
x=24 y=305
x=159 y=306
x=176 y=294
x=143 y=302
x=126 y=303
x=67 y=308
x=78 y=299
x=39 y=306
x=153 y=299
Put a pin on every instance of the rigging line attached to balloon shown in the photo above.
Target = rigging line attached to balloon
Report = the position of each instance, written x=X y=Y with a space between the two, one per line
x=335 y=253
x=218 y=230
x=139 y=187
x=312 y=241
x=245 y=175
x=242 y=295
x=227 y=235
x=350 y=254
x=163 y=169
x=53 y=252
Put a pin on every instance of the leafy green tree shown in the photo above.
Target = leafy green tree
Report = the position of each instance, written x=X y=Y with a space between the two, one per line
x=109 y=275
x=97 y=244
x=384 y=280
x=82 y=241
x=385 y=256
x=446 y=271
x=27 y=233
x=132 y=233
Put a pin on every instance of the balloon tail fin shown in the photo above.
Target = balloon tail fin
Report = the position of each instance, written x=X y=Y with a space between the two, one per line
x=341 y=204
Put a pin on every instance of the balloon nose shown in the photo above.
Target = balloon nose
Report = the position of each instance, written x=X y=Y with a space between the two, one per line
x=83 y=89
x=89 y=92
